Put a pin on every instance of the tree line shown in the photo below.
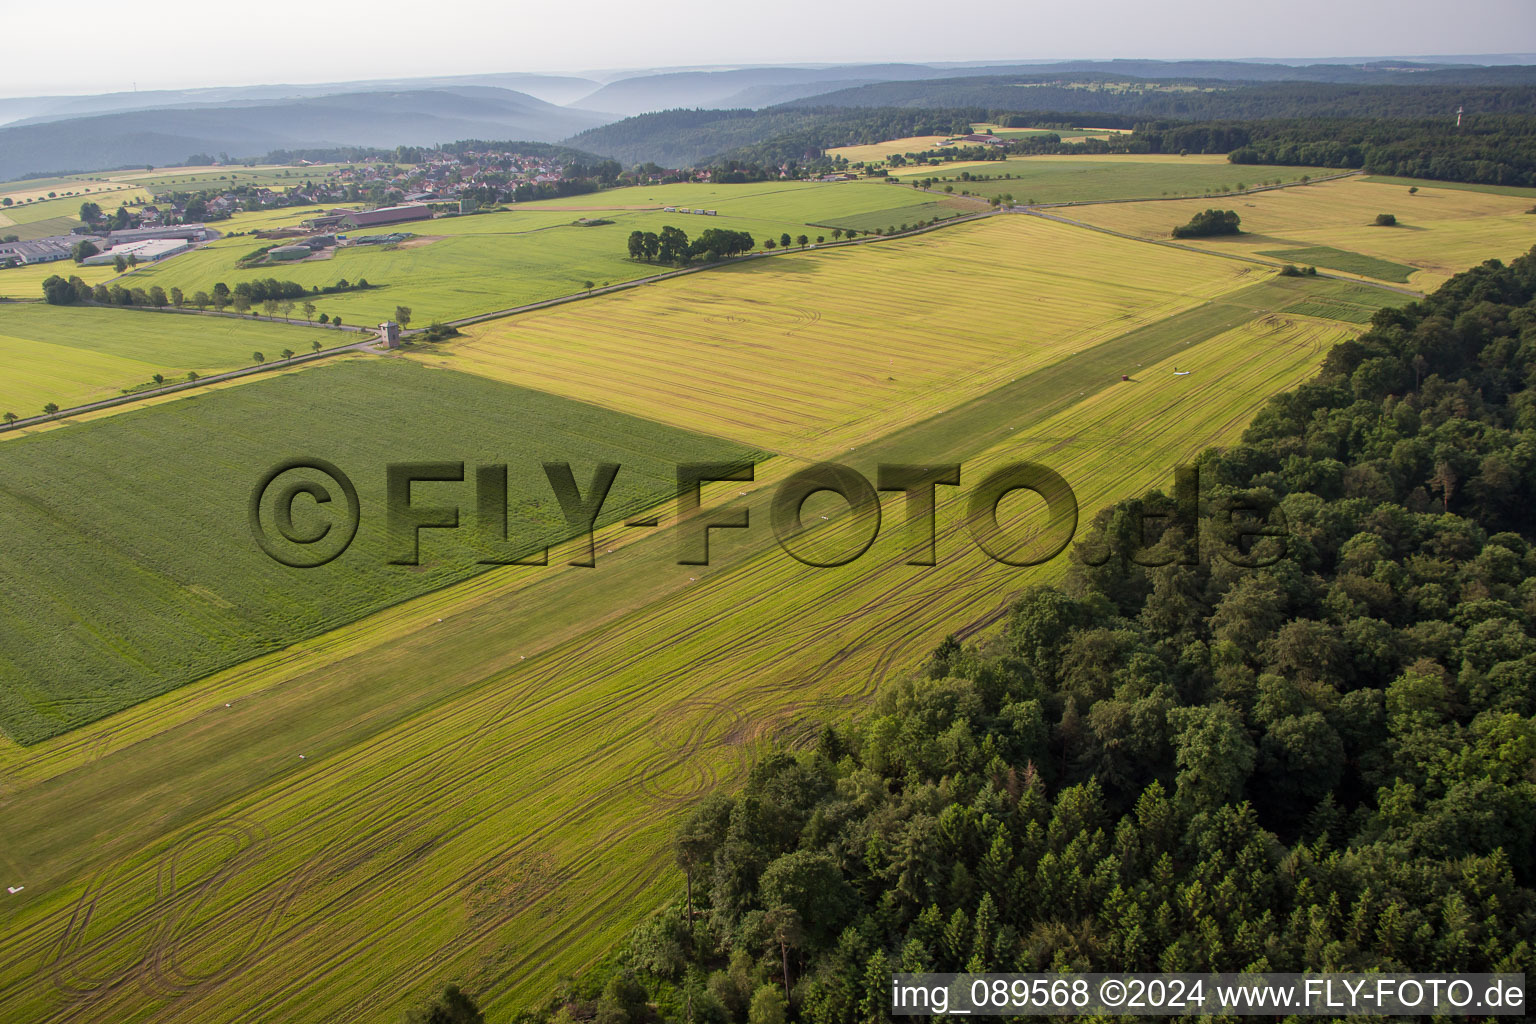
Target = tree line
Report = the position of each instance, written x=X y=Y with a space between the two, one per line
x=1486 y=149
x=271 y=295
x=1325 y=760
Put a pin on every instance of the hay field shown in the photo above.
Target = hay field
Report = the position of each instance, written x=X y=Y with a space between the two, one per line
x=1440 y=231
x=73 y=355
x=812 y=354
x=491 y=769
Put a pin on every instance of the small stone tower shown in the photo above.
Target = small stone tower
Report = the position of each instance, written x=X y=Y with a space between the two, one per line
x=389 y=333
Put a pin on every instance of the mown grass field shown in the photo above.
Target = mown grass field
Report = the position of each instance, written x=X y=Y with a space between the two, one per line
x=492 y=768
x=1068 y=179
x=810 y=354
x=1440 y=231
x=461 y=266
x=73 y=355
x=129 y=548
x=1337 y=259
x=910 y=216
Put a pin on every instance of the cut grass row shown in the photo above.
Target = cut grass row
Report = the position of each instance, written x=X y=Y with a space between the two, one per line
x=812 y=354
x=496 y=784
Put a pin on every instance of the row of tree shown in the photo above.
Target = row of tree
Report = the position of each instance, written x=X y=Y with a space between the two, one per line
x=1323 y=761
x=58 y=291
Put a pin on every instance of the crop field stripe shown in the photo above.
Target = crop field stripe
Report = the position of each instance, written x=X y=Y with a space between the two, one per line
x=810 y=354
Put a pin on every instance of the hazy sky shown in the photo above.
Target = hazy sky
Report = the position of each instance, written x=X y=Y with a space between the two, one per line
x=188 y=43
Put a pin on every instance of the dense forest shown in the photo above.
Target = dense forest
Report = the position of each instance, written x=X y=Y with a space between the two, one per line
x=1185 y=99
x=1492 y=150
x=1317 y=752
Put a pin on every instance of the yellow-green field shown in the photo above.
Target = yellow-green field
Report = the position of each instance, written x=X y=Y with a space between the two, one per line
x=71 y=356
x=491 y=769
x=1439 y=231
x=812 y=354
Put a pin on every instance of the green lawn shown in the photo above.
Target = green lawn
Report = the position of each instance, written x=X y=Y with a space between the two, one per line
x=1343 y=259
x=129 y=558
x=71 y=355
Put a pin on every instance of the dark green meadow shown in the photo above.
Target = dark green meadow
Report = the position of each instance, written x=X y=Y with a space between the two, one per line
x=129 y=561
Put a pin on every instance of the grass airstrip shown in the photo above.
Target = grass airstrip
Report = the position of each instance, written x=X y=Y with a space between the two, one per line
x=492 y=766
x=1118 y=176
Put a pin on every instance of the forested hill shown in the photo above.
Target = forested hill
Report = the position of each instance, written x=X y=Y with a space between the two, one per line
x=1195 y=99
x=1327 y=763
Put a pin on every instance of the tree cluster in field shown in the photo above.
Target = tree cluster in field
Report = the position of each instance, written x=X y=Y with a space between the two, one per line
x=1208 y=223
x=672 y=246
x=272 y=295
x=1323 y=761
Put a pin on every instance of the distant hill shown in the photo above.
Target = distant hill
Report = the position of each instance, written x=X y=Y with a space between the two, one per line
x=252 y=128
x=557 y=89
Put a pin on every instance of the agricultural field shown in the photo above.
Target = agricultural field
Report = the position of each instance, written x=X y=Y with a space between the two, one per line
x=877 y=152
x=156 y=590
x=492 y=767
x=461 y=266
x=74 y=355
x=811 y=354
x=26 y=283
x=1439 y=231
x=1118 y=176
x=917 y=213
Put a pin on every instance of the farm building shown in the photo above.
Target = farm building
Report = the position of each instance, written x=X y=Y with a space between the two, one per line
x=189 y=232
x=146 y=251
x=42 y=250
x=290 y=252
x=386 y=215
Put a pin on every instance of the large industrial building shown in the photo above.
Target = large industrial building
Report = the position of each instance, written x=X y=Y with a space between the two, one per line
x=349 y=219
x=43 y=250
x=147 y=251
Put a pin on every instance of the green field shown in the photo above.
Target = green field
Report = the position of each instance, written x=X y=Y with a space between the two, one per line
x=460 y=266
x=150 y=569
x=71 y=355
x=1463 y=186
x=1342 y=259
x=1070 y=179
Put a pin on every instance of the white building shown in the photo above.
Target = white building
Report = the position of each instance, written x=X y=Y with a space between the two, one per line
x=147 y=251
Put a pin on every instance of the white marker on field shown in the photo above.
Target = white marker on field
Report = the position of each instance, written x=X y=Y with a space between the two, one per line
x=14 y=889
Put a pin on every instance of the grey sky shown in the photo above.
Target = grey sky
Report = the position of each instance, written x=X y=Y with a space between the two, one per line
x=189 y=43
